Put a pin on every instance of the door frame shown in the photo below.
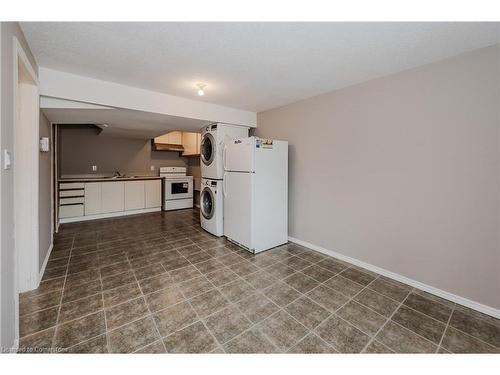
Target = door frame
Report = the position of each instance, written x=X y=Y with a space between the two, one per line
x=26 y=171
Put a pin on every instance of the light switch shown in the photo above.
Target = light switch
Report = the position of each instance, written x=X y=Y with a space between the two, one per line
x=152 y=168
x=6 y=159
x=94 y=168
x=44 y=144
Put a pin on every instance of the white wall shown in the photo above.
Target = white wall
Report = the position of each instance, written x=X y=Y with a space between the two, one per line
x=8 y=297
x=402 y=172
x=44 y=194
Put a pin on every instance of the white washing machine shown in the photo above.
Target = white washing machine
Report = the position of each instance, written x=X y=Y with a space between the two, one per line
x=213 y=138
x=211 y=206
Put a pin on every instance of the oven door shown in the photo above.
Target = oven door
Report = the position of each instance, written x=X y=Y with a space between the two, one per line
x=178 y=188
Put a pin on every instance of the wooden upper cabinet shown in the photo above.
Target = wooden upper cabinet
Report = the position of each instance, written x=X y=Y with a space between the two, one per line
x=191 y=143
x=172 y=138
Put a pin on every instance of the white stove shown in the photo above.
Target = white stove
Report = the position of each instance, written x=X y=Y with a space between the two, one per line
x=178 y=188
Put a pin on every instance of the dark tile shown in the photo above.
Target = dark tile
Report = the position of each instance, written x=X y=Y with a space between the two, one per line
x=281 y=294
x=133 y=336
x=44 y=287
x=402 y=340
x=429 y=307
x=174 y=318
x=229 y=259
x=117 y=280
x=81 y=291
x=419 y=323
x=56 y=263
x=296 y=263
x=121 y=294
x=79 y=308
x=148 y=271
x=251 y=341
x=283 y=330
x=473 y=326
x=164 y=298
x=312 y=256
x=54 y=273
x=155 y=348
x=260 y=280
x=358 y=276
x=192 y=339
x=221 y=277
x=328 y=298
x=345 y=286
x=459 y=342
x=97 y=345
x=227 y=324
x=198 y=257
x=84 y=277
x=115 y=269
x=40 y=342
x=343 y=336
x=312 y=344
x=209 y=303
x=376 y=347
x=390 y=289
x=237 y=290
x=307 y=312
x=126 y=312
x=156 y=283
x=76 y=331
x=280 y=270
x=333 y=265
x=28 y=305
x=262 y=260
x=189 y=250
x=361 y=317
x=208 y=266
x=244 y=268
x=478 y=315
x=301 y=282
x=318 y=273
x=196 y=286
x=377 y=302
x=257 y=307
x=37 y=321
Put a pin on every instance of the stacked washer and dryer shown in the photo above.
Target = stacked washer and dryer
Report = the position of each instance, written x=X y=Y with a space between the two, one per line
x=213 y=139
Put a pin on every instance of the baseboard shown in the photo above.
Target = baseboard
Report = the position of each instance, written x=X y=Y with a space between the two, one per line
x=417 y=284
x=15 y=347
x=46 y=260
x=108 y=215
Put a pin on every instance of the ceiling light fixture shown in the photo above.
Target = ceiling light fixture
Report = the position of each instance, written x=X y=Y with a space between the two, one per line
x=201 y=87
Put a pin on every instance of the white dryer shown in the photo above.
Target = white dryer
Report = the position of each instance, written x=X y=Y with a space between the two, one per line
x=211 y=206
x=213 y=139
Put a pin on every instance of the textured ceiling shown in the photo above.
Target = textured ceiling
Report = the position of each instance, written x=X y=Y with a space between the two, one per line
x=252 y=66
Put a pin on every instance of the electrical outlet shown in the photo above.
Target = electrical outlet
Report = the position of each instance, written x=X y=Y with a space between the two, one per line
x=94 y=168
x=152 y=168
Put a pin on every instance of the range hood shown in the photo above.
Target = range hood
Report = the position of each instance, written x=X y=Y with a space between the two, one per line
x=157 y=146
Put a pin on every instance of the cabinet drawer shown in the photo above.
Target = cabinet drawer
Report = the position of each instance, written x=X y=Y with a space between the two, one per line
x=71 y=193
x=74 y=210
x=64 y=201
x=71 y=185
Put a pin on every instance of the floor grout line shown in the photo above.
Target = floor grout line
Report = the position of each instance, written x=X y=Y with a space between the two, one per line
x=445 y=329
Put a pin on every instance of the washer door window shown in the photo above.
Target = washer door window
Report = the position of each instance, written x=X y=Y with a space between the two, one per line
x=207 y=149
x=207 y=203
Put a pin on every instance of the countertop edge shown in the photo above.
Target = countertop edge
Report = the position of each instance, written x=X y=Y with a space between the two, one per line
x=69 y=180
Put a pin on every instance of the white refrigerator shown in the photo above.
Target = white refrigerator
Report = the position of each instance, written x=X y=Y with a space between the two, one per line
x=255 y=189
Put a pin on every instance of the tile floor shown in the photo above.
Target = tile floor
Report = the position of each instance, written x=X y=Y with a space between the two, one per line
x=157 y=283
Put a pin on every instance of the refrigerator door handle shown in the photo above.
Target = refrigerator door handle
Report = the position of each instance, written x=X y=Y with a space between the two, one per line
x=224 y=157
x=224 y=190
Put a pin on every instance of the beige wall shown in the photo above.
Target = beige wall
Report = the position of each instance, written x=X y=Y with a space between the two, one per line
x=44 y=194
x=402 y=172
x=7 y=262
x=81 y=147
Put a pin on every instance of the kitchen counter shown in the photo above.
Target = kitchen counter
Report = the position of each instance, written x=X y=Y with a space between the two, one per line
x=108 y=179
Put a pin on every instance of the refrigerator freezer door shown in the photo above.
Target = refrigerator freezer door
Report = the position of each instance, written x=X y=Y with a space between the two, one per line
x=238 y=198
x=239 y=155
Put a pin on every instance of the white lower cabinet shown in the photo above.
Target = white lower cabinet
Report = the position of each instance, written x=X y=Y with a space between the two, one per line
x=112 y=196
x=152 y=193
x=92 y=198
x=134 y=195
